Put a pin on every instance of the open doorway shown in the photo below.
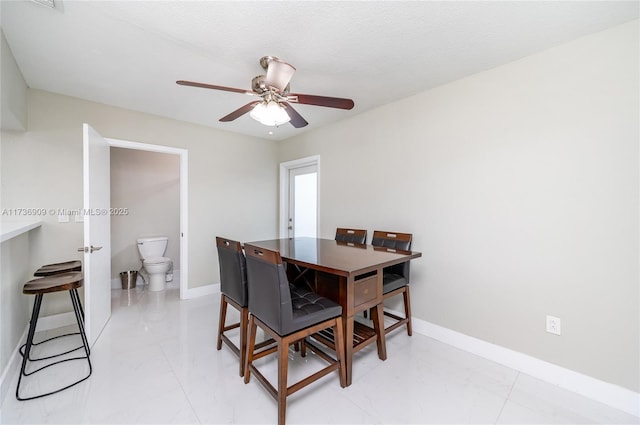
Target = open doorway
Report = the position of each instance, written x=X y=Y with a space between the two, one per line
x=180 y=243
x=145 y=199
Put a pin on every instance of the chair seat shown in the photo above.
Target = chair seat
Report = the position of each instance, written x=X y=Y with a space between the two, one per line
x=392 y=281
x=55 y=283
x=51 y=269
x=310 y=308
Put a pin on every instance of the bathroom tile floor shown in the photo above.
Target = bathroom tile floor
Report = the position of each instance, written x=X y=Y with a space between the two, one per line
x=156 y=362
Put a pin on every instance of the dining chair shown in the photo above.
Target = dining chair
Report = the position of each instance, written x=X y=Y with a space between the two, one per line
x=287 y=314
x=233 y=291
x=396 y=277
x=355 y=236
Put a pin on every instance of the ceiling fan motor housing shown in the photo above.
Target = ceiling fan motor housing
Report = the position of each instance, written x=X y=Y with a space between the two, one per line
x=258 y=85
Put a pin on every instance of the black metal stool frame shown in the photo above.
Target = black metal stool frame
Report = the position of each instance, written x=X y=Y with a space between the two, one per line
x=77 y=308
x=74 y=292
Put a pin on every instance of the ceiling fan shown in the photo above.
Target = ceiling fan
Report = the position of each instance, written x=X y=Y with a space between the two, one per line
x=274 y=107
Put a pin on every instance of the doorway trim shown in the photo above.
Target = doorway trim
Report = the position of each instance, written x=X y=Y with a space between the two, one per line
x=184 y=201
x=285 y=167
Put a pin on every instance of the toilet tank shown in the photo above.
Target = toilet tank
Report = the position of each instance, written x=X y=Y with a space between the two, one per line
x=152 y=247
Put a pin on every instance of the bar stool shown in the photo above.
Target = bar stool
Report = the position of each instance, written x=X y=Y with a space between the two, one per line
x=70 y=281
x=56 y=268
x=51 y=269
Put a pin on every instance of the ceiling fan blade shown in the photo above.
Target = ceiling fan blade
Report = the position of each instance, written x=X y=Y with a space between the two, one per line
x=279 y=74
x=239 y=112
x=331 y=102
x=211 y=86
x=296 y=119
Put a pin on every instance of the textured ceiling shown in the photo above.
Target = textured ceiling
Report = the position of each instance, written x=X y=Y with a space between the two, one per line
x=130 y=53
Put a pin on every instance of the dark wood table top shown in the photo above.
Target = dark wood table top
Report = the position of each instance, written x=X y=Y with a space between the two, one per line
x=334 y=257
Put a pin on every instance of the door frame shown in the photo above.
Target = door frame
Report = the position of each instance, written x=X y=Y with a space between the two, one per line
x=184 y=200
x=285 y=167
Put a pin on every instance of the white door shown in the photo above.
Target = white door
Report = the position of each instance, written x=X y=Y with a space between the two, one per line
x=97 y=232
x=303 y=201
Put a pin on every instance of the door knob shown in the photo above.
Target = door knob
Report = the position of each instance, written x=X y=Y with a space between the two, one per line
x=89 y=249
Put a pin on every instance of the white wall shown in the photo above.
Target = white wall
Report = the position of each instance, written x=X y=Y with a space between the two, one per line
x=15 y=257
x=147 y=184
x=14 y=272
x=521 y=187
x=14 y=91
x=232 y=178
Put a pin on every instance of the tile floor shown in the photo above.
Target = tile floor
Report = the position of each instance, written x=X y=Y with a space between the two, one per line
x=156 y=362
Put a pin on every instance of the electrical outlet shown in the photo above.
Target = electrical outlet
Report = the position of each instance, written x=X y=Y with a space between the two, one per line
x=554 y=325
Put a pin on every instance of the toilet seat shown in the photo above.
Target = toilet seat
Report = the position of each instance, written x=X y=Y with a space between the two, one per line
x=157 y=260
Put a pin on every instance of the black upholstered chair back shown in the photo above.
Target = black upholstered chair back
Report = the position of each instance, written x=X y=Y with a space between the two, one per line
x=233 y=270
x=356 y=236
x=394 y=240
x=270 y=297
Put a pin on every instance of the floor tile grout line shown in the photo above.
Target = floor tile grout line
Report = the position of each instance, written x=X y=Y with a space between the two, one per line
x=186 y=396
x=508 y=396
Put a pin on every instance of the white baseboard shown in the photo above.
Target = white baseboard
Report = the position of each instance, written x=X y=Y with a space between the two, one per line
x=587 y=386
x=201 y=291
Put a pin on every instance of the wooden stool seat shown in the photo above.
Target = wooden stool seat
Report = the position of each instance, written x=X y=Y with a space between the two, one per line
x=69 y=281
x=51 y=269
x=55 y=283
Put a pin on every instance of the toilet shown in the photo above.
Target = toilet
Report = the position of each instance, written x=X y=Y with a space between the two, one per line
x=154 y=264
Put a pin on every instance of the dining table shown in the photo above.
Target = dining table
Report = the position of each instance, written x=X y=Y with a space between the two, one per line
x=350 y=275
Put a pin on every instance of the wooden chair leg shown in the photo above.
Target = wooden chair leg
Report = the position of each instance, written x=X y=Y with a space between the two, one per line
x=244 y=324
x=250 y=348
x=377 y=315
x=340 y=353
x=407 y=309
x=283 y=358
x=223 y=315
x=303 y=348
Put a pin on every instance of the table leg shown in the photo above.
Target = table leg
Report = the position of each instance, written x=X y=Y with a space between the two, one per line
x=347 y=323
x=377 y=315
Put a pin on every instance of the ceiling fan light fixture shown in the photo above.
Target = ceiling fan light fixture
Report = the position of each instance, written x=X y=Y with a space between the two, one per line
x=270 y=113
